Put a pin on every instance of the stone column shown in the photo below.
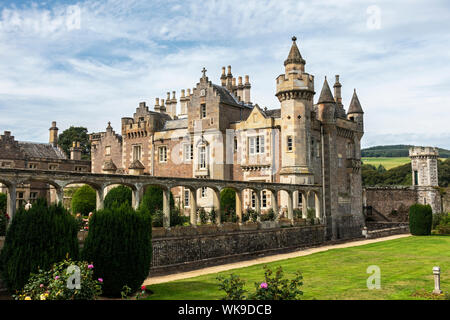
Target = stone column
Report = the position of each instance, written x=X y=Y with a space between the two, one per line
x=437 y=280
x=100 y=198
x=317 y=205
x=290 y=206
x=11 y=206
x=60 y=195
x=136 y=197
x=166 y=207
x=193 y=216
x=275 y=204
x=217 y=205
x=304 y=205
x=239 y=205
x=258 y=204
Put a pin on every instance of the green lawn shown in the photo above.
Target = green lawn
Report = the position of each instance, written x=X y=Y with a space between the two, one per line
x=406 y=266
x=388 y=163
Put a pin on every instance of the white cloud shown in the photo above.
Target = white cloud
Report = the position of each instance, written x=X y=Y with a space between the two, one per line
x=131 y=51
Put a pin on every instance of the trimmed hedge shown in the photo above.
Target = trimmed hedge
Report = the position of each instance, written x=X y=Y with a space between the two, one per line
x=37 y=239
x=84 y=200
x=420 y=219
x=120 y=194
x=120 y=248
x=3 y=216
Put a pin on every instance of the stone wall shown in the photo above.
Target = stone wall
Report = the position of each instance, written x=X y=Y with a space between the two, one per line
x=387 y=199
x=387 y=232
x=446 y=200
x=385 y=225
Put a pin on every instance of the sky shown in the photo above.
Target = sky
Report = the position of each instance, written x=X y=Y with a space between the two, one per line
x=84 y=63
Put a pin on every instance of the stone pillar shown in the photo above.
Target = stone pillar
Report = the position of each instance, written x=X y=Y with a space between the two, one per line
x=217 y=205
x=239 y=205
x=166 y=207
x=11 y=206
x=100 y=198
x=258 y=204
x=193 y=215
x=304 y=206
x=275 y=203
x=60 y=195
x=136 y=197
x=290 y=206
x=437 y=280
x=317 y=205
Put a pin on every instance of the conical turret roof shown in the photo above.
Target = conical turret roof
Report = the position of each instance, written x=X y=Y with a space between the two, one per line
x=355 y=106
x=325 y=95
x=294 y=54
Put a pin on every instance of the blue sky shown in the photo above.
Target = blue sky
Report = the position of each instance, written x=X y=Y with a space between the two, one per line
x=124 y=52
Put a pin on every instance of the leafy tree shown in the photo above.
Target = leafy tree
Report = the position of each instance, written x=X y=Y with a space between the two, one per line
x=119 y=245
x=119 y=194
x=153 y=199
x=80 y=134
x=35 y=240
x=228 y=200
x=84 y=200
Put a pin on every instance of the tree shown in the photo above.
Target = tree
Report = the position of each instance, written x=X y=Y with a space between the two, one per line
x=120 y=194
x=228 y=200
x=84 y=200
x=153 y=199
x=119 y=245
x=80 y=134
x=36 y=239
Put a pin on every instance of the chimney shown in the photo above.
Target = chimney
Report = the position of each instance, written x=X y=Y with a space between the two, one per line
x=75 y=151
x=247 y=87
x=157 y=106
x=162 y=107
x=53 y=140
x=223 y=77
x=183 y=103
x=229 y=79
x=240 y=89
x=337 y=91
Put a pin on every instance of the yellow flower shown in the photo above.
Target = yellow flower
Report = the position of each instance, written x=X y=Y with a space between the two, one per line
x=27 y=298
x=43 y=296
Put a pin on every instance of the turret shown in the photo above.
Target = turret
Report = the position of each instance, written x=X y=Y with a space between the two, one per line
x=326 y=106
x=53 y=139
x=355 y=112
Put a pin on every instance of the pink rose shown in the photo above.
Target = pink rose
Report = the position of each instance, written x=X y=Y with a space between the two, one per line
x=57 y=277
x=263 y=285
x=100 y=280
x=143 y=288
x=41 y=285
x=91 y=266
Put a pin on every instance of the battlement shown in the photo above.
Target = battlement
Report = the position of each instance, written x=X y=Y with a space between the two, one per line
x=423 y=152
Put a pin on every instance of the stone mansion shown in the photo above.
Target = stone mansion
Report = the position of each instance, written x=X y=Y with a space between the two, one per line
x=217 y=132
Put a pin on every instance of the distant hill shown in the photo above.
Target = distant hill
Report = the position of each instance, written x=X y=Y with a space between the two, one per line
x=399 y=150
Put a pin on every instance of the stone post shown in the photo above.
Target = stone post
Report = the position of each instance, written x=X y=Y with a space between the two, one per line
x=60 y=195
x=11 y=202
x=239 y=205
x=166 y=207
x=217 y=206
x=437 y=280
x=100 y=198
x=304 y=206
x=290 y=206
x=317 y=205
x=136 y=197
x=275 y=204
x=258 y=204
x=193 y=216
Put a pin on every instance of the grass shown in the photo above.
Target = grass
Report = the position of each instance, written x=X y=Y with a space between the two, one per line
x=388 y=163
x=406 y=268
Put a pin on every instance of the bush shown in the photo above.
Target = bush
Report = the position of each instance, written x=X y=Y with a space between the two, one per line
x=153 y=199
x=251 y=214
x=212 y=216
x=228 y=216
x=120 y=194
x=52 y=284
x=35 y=240
x=203 y=216
x=298 y=213
x=3 y=215
x=177 y=218
x=311 y=215
x=420 y=219
x=272 y=288
x=444 y=224
x=437 y=218
x=84 y=200
x=119 y=246
x=269 y=216
x=228 y=200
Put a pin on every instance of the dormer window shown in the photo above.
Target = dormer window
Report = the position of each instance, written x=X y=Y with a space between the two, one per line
x=203 y=110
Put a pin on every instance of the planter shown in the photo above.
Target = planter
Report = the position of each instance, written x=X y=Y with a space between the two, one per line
x=158 y=232
x=249 y=226
x=229 y=227
x=180 y=231
x=284 y=222
x=299 y=222
x=207 y=229
x=268 y=225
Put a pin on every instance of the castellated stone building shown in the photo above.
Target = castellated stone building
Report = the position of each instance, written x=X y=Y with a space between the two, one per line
x=38 y=156
x=219 y=133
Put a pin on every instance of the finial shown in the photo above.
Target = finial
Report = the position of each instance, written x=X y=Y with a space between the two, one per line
x=204 y=72
x=294 y=38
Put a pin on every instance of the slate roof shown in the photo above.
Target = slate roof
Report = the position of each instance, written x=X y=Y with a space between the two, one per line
x=355 y=106
x=42 y=150
x=226 y=96
x=294 y=54
x=272 y=113
x=175 y=124
x=325 y=95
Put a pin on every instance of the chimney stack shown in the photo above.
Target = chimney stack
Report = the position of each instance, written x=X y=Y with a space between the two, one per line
x=337 y=91
x=75 y=151
x=223 y=77
x=247 y=87
x=53 y=140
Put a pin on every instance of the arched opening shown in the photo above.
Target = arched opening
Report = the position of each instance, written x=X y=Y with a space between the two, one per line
x=159 y=200
x=208 y=205
x=251 y=205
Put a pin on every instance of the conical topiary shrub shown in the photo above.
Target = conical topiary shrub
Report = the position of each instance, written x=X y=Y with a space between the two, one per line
x=420 y=219
x=36 y=239
x=120 y=194
x=119 y=246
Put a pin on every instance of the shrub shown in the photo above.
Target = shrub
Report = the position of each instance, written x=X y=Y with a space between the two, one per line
x=251 y=215
x=84 y=200
x=52 y=284
x=269 y=216
x=298 y=213
x=272 y=288
x=420 y=219
x=153 y=199
x=444 y=225
x=35 y=240
x=177 y=218
x=228 y=216
x=212 y=216
x=3 y=202
x=203 y=216
x=119 y=246
x=3 y=215
x=228 y=200
x=311 y=215
x=437 y=218
x=120 y=194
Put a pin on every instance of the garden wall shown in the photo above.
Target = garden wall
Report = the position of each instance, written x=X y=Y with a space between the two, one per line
x=387 y=199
